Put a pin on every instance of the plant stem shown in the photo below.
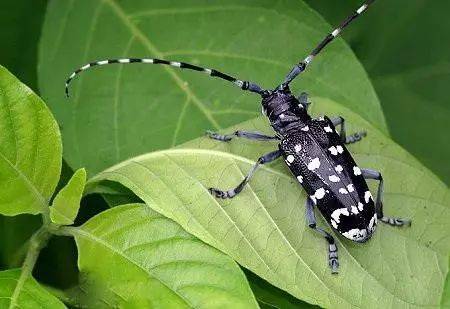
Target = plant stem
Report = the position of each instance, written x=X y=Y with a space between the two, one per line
x=37 y=242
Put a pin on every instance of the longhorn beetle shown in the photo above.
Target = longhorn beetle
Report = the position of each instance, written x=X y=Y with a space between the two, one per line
x=312 y=148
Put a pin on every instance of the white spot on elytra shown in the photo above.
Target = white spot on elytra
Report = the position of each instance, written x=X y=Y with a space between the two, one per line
x=282 y=116
x=314 y=164
x=289 y=159
x=373 y=223
x=339 y=149
x=328 y=129
x=356 y=234
x=356 y=170
x=360 y=206
x=300 y=179
x=367 y=196
x=333 y=150
x=343 y=191
x=334 y=224
x=320 y=193
x=338 y=212
x=297 y=148
x=338 y=168
x=355 y=210
x=305 y=128
x=334 y=178
x=350 y=188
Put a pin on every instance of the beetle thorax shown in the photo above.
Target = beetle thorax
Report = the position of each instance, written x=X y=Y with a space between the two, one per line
x=284 y=111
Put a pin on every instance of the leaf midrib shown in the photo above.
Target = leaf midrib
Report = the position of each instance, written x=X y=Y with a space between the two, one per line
x=161 y=153
x=295 y=251
x=41 y=199
x=152 y=49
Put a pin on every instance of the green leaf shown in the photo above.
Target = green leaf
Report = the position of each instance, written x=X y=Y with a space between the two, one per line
x=122 y=111
x=30 y=149
x=31 y=295
x=147 y=260
x=411 y=81
x=67 y=202
x=264 y=227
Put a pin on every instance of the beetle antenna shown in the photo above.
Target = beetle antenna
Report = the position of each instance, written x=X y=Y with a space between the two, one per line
x=244 y=85
x=302 y=65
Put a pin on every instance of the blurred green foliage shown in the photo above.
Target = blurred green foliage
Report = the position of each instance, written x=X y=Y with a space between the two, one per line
x=401 y=46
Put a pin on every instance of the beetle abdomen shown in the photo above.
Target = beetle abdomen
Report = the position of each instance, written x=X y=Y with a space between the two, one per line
x=328 y=173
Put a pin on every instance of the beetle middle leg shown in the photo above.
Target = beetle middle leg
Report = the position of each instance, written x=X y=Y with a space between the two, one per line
x=332 y=248
x=371 y=174
x=267 y=158
x=353 y=138
x=244 y=134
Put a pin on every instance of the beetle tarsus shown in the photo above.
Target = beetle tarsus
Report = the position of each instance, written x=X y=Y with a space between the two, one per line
x=396 y=221
x=355 y=137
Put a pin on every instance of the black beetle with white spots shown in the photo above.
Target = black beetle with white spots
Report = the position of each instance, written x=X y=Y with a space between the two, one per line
x=313 y=149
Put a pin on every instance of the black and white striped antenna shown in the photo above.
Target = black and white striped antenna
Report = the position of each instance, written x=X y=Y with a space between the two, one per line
x=244 y=85
x=302 y=65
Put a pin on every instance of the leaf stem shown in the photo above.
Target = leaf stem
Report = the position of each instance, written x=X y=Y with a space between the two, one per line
x=37 y=242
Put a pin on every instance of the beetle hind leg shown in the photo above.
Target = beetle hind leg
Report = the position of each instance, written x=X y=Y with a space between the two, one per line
x=371 y=174
x=333 y=260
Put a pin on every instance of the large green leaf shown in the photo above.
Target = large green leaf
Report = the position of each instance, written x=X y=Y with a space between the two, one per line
x=31 y=295
x=30 y=149
x=401 y=45
x=133 y=256
x=121 y=111
x=264 y=227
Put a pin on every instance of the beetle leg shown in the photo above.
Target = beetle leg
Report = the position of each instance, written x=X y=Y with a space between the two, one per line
x=244 y=134
x=267 y=158
x=332 y=248
x=371 y=174
x=303 y=99
x=353 y=138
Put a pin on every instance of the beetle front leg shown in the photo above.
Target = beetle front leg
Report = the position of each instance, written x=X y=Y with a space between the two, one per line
x=353 y=138
x=332 y=248
x=244 y=134
x=371 y=174
x=303 y=99
x=267 y=158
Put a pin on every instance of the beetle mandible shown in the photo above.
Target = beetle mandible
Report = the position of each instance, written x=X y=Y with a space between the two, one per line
x=313 y=149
